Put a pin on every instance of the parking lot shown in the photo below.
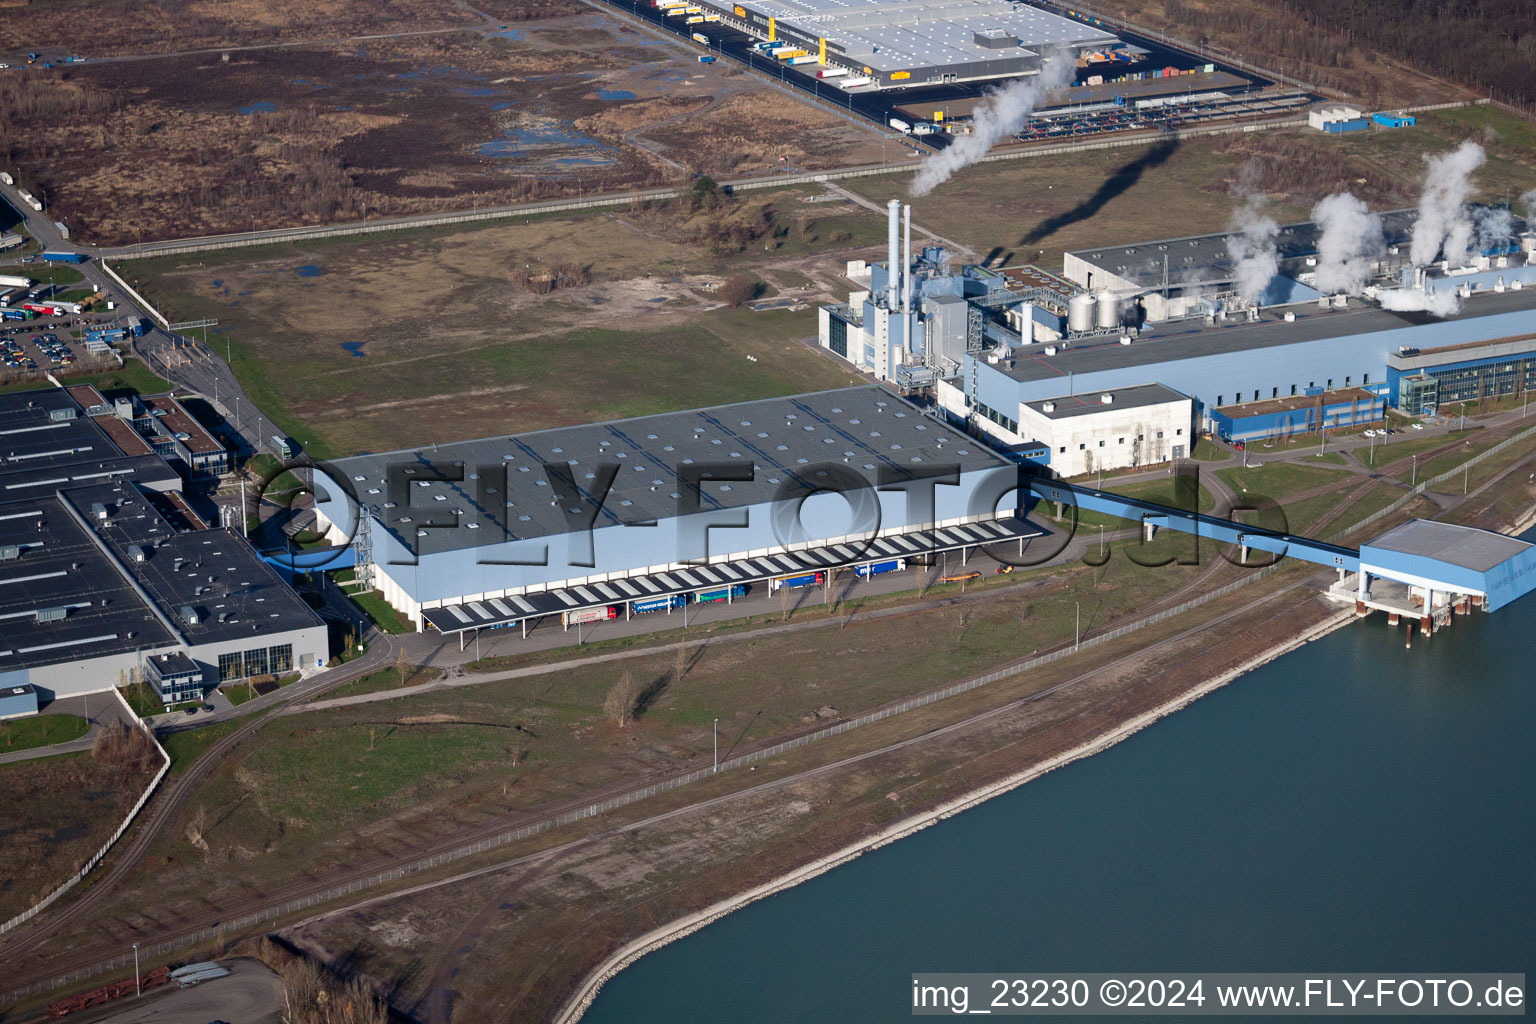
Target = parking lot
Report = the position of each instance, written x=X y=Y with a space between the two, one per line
x=1070 y=124
x=30 y=346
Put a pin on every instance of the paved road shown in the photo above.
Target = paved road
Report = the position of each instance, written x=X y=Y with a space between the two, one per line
x=99 y=708
x=250 y=994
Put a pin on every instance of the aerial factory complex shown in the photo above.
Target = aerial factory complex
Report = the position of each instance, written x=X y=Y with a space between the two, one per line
x=1117 y=359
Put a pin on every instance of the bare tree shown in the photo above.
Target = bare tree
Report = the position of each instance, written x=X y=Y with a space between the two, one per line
x=737 y=290
x=403 y=665
x=623 y=700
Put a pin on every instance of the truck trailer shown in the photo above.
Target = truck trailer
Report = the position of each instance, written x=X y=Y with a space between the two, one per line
x=809 y=58
x=723 y=594
x=12 y=281
x=901 y=126
x=879 y=568
x=660 y=604
x=832 y=73
x=855 y=82
x=601 y=614
x=806 y=579
x=65 y=257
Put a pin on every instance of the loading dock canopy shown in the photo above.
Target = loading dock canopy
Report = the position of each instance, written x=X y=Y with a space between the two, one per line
x=1444 y=556
x=508 y=611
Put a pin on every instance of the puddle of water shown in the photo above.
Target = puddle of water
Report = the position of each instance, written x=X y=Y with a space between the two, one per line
x=583 y=161
x=659 y=298
x=529 y=141
x=309 y=270
x=354 y=348
x=615 y=94
x=476 y=90
x=260 y=107
x=504 y=106
x=218 y=282
x=508 y=33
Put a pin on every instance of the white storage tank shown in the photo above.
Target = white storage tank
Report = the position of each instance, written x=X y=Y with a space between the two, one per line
x=1080 y=312
x=1108 y=310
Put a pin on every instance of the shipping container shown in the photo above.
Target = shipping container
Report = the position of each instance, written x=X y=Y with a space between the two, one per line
x=660 y=604
x=705 y=58
x=723 y=594
x=808 y=579
x=877 y=568
x=601 y=614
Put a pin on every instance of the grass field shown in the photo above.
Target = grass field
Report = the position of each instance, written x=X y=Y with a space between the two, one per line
x=40 y=731
x=452 y=349
x=1031 y=210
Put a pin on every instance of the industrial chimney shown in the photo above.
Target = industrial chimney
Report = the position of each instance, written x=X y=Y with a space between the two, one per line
x=893 y=254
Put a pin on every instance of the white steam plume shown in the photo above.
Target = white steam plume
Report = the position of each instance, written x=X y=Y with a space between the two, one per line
x=1444 y=225
x=1412 y=300
x=1495 y=226
x=1349 y=245
x=999 y=115
x=1251 y=244
x=1528 y=204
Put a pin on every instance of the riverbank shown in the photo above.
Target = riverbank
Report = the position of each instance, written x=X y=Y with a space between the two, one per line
x=657 y=938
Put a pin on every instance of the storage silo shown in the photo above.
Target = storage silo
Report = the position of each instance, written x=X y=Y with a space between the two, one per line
x=1108 y=310
x=1080 y=313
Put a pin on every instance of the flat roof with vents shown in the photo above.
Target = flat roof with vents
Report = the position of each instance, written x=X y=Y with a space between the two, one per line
x=1093 y=401
x=868 y=429
x=914 y=35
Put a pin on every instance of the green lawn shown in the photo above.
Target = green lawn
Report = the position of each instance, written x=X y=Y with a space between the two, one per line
x=1279 y=479
x=379 y=612
x=40 y=731
x=386 y=679
x=187 y=746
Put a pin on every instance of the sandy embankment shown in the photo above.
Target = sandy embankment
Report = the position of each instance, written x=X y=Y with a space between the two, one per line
x=659 y=937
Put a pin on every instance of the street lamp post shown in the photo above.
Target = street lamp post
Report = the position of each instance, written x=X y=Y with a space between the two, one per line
x=138 y=984
x=1077 y=625
x=717 y=744
x=1414 y=482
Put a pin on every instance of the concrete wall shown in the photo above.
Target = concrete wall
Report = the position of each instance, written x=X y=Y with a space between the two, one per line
x=1105 y=440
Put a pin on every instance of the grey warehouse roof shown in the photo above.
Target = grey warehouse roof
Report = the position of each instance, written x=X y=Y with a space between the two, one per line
x=1466 y=546
x=1203 y=259
x=1191 y=339
x=1092 y=401
x=867 y=429
x=913 y=34
x=45 y=444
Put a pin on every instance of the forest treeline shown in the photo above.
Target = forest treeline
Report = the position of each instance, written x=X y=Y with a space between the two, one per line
x=1490 y=44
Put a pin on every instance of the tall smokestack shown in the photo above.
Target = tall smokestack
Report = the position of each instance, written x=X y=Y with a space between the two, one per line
x=906 y=260
x=893 y=256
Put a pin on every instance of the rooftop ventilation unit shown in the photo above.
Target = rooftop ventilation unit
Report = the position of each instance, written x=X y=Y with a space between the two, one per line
x=1107 y=399
x=98 y=512
x=61 y=415
x=9 y=552
x=1048 y=407
x=135 y=552
x=188 y=614
x=51 y=614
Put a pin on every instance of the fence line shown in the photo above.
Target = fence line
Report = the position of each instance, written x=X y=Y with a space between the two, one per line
x=1420 y=488
x=73 y=880
x=141 y=300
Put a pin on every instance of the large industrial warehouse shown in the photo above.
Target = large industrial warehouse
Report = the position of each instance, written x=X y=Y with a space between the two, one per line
x=481 y=533
x=917 y=42
x=106 y=573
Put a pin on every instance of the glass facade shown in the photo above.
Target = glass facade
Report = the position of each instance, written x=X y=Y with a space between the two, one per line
x=282 y=659
x=230 y=667
x=1484 y=380
x=259 y=661
x=256 y=663
x=837 y=335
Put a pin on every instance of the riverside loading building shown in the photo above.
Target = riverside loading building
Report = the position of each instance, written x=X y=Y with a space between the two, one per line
x=995 y=348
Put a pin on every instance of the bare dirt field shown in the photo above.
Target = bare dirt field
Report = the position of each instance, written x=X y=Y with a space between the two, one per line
x=193 y=144
x=59 y=811
x=404 y=339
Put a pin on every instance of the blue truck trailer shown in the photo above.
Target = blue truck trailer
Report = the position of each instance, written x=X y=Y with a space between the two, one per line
x=722 y=594
x=806 y=579
x=660 y=604
x=878 y=568
x=65 y=257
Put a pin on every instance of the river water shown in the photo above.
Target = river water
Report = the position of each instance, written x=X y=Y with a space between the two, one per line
x=1353 y=806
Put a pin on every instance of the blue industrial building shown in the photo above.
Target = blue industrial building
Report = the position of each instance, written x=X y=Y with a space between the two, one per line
x=1281 y=417
x=495 y=529
x=17 y=701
